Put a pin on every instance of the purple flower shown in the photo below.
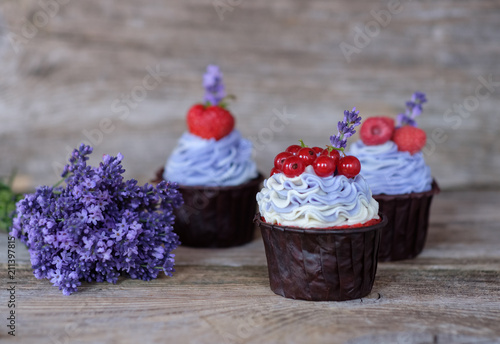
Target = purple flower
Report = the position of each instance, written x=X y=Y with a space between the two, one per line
x=87 y=243
x=98 y=226
x=214 y=87
x=135 y=226
x=117 y=234
x=419 y=97
x=413 y=110
x=82 y=215
x=107 y=255
x=403 y=119
x=89 y=183
x=88 y=198
x=158 y=252
x=352 y=117
x=127 y=213
x=346 y=129
x=338 y=142
x=94 y=215
x=55 y=276
x=57 y=261
x=123 y=226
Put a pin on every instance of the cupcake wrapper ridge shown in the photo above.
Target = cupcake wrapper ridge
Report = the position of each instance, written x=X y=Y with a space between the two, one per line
x=217 y=216
x=408 y=220
x=321 y=264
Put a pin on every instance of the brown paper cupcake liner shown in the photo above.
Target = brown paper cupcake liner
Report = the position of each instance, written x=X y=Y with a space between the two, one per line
x=216 y=216
x=408 y=220
x=321 y=264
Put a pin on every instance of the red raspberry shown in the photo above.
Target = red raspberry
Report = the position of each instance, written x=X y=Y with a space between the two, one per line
x=376 y=130
x=293 y=166
x=209 y=122
x=349 y=166
x=410 y=139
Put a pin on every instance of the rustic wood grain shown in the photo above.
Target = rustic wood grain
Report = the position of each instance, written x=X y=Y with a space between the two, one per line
x=449 y=294
x=285 y=54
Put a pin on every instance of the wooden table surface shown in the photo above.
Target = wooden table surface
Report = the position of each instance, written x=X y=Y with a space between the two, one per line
x=449 y=294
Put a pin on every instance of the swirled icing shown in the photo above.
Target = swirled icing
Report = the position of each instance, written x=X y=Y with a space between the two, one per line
x=309 y=201
x=392 y=172
x=201 y=162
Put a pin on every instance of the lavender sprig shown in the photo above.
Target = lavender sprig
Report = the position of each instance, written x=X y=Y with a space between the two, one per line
x=346 y=129
x=413 y=110
x=214 y=87
x=98 y=227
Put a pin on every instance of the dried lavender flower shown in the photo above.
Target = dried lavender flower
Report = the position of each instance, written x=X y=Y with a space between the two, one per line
x=345 y=129
x=214 y=87
x=98 y=227
x=413 y=110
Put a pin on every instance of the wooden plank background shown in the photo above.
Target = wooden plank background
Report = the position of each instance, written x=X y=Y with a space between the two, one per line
x=449 y=294
x=67 y=65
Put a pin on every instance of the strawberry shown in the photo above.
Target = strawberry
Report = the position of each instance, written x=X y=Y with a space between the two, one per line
x=209 y=121
x=409 y=139
x=376 y=130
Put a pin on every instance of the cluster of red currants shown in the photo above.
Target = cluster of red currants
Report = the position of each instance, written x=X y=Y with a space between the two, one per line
x=293 y=161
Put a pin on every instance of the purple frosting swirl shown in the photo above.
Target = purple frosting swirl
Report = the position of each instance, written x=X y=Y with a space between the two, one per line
x=390 y=171
x=201 y=162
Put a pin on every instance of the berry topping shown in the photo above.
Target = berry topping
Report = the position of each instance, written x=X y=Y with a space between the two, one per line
x=308 y=155
x=324 y=161
x=349 y=166
x=376 y=130
x=318 y=150
x=293 y=166
x=324 y=166
x=294 y=149
x=333 y=154
x=409 y=139
x=274 y=171
x=280 y=158
x=209 y=122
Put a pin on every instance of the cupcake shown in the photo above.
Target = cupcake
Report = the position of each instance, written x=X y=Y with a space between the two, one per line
x=320 y=224
x=393 y=165
x=216 y=175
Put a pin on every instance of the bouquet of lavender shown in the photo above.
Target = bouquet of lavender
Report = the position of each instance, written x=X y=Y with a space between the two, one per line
x=99 y=226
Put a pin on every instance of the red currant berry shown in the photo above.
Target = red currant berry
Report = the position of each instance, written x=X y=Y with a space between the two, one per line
x=280 y=158
x=334 y=154
x=293 y=149
x=307 y=155
x=317 y=150
x=324 y=166
x=293 y=166
x=274 y=171
x=349 y=166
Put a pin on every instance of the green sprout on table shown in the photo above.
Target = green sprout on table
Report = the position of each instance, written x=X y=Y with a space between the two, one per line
x=8 y=200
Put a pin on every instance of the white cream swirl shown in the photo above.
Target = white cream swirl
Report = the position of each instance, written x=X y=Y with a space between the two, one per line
x=309 y=201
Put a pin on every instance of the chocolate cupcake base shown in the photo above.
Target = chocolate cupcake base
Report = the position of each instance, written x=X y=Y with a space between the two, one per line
x=408 y=220
x=321 y=264
x=217 y=216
